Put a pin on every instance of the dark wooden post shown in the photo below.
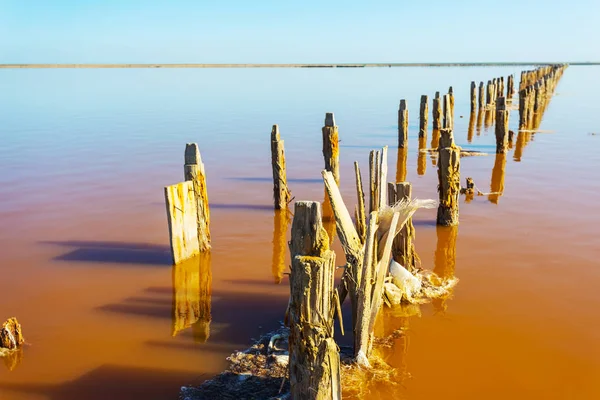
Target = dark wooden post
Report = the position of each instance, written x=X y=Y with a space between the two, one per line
x=423 y=116
x=402 y=124
x=331 y=150
x=448 y=179
x=501 y=125
x=281 y=193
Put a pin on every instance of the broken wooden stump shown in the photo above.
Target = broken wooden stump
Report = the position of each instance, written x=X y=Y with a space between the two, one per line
x=182 y=217
x=194 y=171
x=402 y=124
x=403 y=249
x=281 y=192
x=359 y=212
x=11 y=335
x=437 y=112
x=423 y=116
x=473 y=97
x=448 y=179
x=314 y=357
x=501 y=125
x=331 y=150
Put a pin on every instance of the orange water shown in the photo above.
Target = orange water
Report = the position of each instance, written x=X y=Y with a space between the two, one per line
x=85 y=264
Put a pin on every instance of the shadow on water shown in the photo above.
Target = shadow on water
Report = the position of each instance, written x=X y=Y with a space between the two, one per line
x=270 y=179
x=114 y=252
x=113 y=382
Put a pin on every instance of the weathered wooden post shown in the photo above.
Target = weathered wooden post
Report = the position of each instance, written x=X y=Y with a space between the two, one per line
x=501 y=125
x=402 y=124
x=451 y=98
x=423 y=116
x=281 y=219
x=182 y=214
x=422 y=157
x=449 y=179
x=331 y=150
x=481 y=95
x=401 y=162
x=510 y=89
x=437 y=112
x=447 y=122
x=403 y=249
x=473 y=96
x=488 y=94
x=194 y=172
x=314 y=357
x=281 y=193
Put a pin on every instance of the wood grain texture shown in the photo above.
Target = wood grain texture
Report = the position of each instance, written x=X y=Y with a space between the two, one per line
x=402 y=124
x=182 y=214
x=423 y=116
x=281 y=192
x=448 y=179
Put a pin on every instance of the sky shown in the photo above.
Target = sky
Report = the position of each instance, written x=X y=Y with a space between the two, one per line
x=290 y=31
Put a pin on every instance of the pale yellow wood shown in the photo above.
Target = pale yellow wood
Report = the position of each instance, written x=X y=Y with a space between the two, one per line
x=182 y=218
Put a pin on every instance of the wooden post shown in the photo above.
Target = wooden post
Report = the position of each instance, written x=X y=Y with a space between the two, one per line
x=373 y=185
x=488 y=94
x=510 y=87
x=194 y=171
x=481 y=95
x=314 y=357
x=437 y=113
x=401 y=163
x=448 y=100
x=473 y=96
x=281 y=193
x=449 y=179
x=359 y=212
x=403 y=249
x=451 y=98
x=182 y=214
x=423 y=116
x=402 y=124
x=501 y=126
x=331 y=150
x=421 y=158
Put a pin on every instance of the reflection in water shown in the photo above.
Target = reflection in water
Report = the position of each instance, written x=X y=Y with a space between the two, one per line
x=422 y=158
x=444 y=259
x=497 y=185
x=192 y=281
x=13 y=359
x=522 y=140
x=328 y=218
x=401 y=164
x=489 y=119
x=280 y=225
x=435 y=142
x=471 y=127
x=479 y=120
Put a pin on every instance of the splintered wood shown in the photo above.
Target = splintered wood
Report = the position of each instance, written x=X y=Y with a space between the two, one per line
x=182 y=214
x=281 y=193
x=314 y=357
x=194 y=172
x=11 y=335
x=331 y=151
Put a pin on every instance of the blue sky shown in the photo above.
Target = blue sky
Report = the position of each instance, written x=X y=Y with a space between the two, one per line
x=266 y=31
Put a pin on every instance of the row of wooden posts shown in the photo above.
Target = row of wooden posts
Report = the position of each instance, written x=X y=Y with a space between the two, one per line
x=368 y=245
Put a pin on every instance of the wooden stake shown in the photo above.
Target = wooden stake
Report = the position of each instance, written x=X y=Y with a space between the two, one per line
x=193 y=170
x=401 y=163
x=423 y=116
x=448 y=123
x=449 y=179
x=331 y=151
x=481 y=95
x=501 y=126
x=402 y=124
x=314 y=357
x=421 y=158
x=437 y=113
x=403 y=249
x=281 y=193
x=182 y=214
x=359 y=215
x=281 y=220
x=473 y=96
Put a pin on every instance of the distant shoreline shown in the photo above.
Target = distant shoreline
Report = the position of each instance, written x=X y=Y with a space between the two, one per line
x=315 y=65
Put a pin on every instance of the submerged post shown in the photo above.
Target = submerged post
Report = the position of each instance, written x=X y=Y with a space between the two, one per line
x=314 y=358
x=501 y=126
x=194 y=171
x=423 y=116
x=331 y=150
x=281 y=193
x=448 y=179
x=402 y=124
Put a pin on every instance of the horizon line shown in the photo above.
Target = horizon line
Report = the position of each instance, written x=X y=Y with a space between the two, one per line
x=287 y=65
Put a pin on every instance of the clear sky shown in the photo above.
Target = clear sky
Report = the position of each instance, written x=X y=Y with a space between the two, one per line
x=284 y=31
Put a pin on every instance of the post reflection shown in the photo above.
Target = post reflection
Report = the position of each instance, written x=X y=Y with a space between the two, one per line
x=489 y=119
x=522 y=140
x=497 y=184
x=192 y=282
x=471 y=127
x=401 y=164
x=479 y=121
x=422 y=157
x=435 y=142
x=13 y=359
x=444 y=260
x=281 y=221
